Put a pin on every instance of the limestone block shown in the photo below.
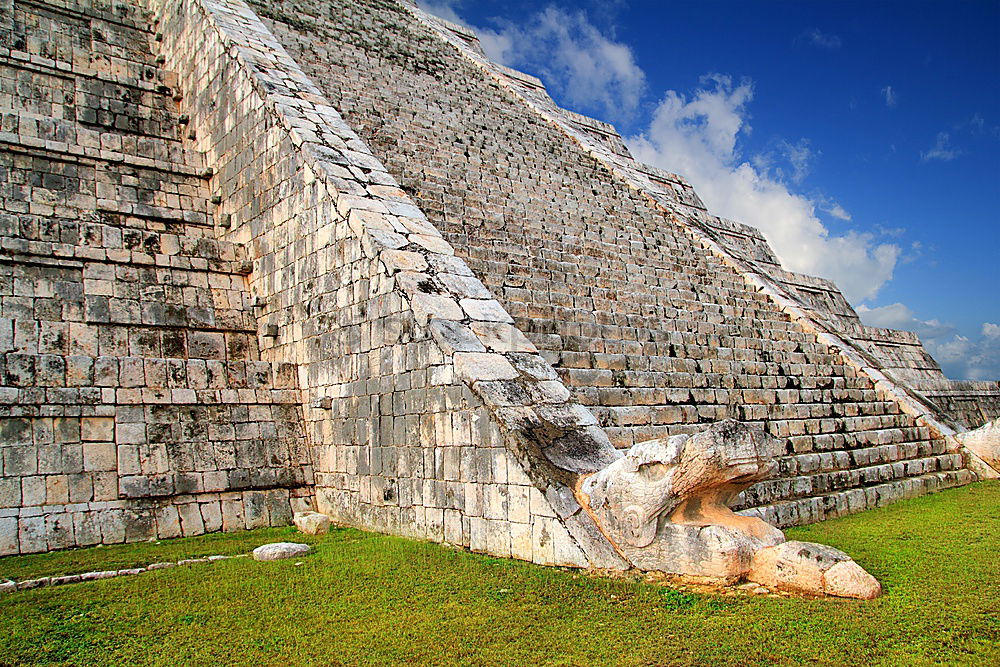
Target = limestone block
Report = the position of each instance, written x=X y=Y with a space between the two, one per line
x=87 y=528
x=31 y=534
x=211 y=515
x=387 y=238
x=112 y=522
x=8 y=536
x=502 y=337
x=32 y=491
x=465 y=287
x=432 y=243
x=280 y=551
x=279 y=507
x=100 y=456
x=483 y=366
x=428 y=306
x=403 y=260
x=255 y=509
x=455 y=337
x=488 y=310
x=232 y=515
x=311 y=523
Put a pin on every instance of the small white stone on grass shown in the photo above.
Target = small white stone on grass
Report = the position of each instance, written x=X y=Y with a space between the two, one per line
x=280 y=551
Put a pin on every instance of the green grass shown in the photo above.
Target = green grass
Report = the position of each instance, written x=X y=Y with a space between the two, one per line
x=362 y=598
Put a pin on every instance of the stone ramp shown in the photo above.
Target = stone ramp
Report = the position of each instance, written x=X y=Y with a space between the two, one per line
x=135 y=403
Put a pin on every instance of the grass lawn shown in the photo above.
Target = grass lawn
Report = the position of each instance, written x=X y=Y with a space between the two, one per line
x=362 y=598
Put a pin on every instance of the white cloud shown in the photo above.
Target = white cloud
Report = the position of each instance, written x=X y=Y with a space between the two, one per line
x=890 y=96
x=816 y=38
x=832 y=208
x=445 y=9
x=839 y=212
x=941 y=150
x=573 y=57
x=961 y=357
x=697 y=136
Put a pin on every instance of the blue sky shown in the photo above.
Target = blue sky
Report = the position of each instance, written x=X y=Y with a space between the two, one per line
x=862 y=138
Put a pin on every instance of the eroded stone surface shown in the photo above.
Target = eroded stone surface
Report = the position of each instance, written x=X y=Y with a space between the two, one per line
x=688 y=480
x=806 y=567
x=665 y=505
x=295 y=241
x=312 y=523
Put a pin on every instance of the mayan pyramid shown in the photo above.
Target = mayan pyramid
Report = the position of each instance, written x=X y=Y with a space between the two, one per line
x=256 y=259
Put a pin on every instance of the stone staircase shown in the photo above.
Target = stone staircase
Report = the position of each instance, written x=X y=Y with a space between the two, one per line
x=133 y=399
x=652 y=332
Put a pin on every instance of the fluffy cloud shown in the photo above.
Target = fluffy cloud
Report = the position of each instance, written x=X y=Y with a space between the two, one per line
x=941 y=150
x=697 y=135
x=580 y=64
x=961 y=357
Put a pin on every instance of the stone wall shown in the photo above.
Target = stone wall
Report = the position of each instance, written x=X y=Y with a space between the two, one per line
x=133 y=402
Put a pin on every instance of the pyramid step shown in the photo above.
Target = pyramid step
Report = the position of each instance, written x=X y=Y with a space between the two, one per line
x=33 y=130
x=157 y=379
x=839 y=503
x=125 y=14
x=841 y=460
x=790 y=488
x=122 y=155
x=68 y=239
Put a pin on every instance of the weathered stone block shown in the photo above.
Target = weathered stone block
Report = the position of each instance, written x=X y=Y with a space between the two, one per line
x=312 y=523
x=280 y=551
x=8 y=536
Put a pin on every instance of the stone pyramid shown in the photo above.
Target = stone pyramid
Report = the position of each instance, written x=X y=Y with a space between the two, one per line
x=295 y=255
